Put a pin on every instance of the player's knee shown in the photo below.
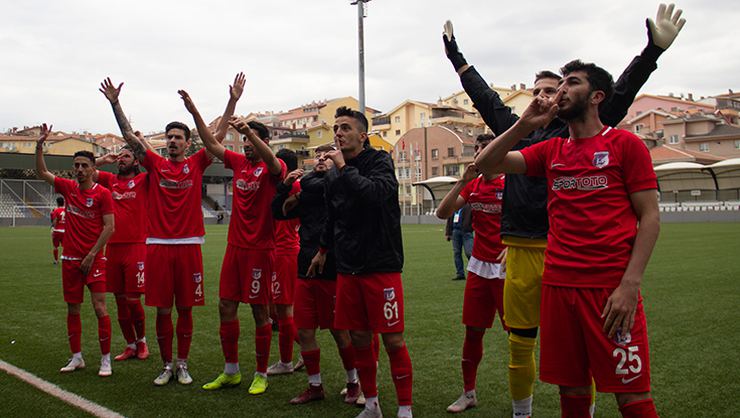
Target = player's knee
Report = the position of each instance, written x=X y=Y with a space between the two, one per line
x=361 y=338
x=625 y=398
x=284 y=311
x=306 y=336
x=575 y=390
x=73 y=308
x=260 y=313
x=227 y=309
x=341 y=337
x=525 y=332
x=164 y=311
x=393 y=341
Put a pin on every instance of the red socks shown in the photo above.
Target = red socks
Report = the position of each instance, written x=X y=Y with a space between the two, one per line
x=311 y=360
x=639 y=409
x=286 y=336
x=471 y=356
x=262 y=337
x=575 y=406
x=402 y=374
x=124 y=320
x=137 y=317
x=367 y=370
x=184 y=332
x=347 y=354
x=104 y=334
x=74 y=332
x=229 y=332
x=164 y=336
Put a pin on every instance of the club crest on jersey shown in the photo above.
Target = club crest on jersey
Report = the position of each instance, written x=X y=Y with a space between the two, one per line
x=257 y=171
x=256 y=274
x=197 y=277
x=89 y=202
x=601 y=159
x=389 y=293
x=140 y=265
x=499 y=195
x=131 y=184
x=186 y=169
x=622 y=338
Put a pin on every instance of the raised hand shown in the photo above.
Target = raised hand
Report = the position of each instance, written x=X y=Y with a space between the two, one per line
x=110 y=91
x=664 y=30
x=189 y=105
x=45 y=131
x=240 y=125
x=109 y=158
x=541 y=110
x=470 y=173
x=293 y=176
x=236 y=90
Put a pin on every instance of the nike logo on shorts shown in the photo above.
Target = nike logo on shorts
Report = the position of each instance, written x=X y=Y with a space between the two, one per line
x=626 y=381
x=390 y=324
x=97 y=274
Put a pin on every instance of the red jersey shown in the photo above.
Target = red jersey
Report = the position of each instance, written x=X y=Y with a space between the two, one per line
x=592 y=222
x=251 y=224
x=129 y=206
x=57 y=220
x=287 y=240
x=85 y=210
x=174 y=198
x=485 y=198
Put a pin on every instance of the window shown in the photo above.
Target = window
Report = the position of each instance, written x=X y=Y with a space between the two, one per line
x=408 y=190
x=638 y=128
x=402 y=156
x=229 y=136
x=704 y=147
x=450 y=152
x=435 y=153
x=418 y=173
x=385 y=133
x=737 y=144
x=319 y=133
x=397 y=119
x=452 y=170
x=466 y=101
x=398 y=132
x=435 y=171
x=673 y=139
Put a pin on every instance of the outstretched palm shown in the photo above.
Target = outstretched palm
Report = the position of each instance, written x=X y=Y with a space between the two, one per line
x=45 y=131
x=236 y=90
x=110 y=91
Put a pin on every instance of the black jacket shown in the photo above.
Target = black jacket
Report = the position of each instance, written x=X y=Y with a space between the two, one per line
x=311 y=210
x=364 y=219
x=525 y=198
x=467 y=220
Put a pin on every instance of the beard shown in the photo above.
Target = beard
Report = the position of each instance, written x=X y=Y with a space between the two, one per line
x=575 y=112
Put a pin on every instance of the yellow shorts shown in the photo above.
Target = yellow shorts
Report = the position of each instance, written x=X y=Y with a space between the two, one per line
x=525 y=261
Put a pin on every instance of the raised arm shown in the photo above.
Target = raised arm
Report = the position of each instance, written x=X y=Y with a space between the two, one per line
x=660 y=33
x=111 y=93
x=235 y=92
x=41 y=171
x=260 y=147
x=452 y=200
x=492 y=109
x=209 y=140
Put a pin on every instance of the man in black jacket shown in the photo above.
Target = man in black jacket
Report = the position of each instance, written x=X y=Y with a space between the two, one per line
x=315 y=295
x=364 y=230
x=524 y=224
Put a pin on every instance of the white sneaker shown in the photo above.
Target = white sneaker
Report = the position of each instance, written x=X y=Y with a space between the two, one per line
x=463 y=403
x=183 y=377
x=105 y=367
x=371 y=413
x=280 y=368
x=74 y=364
x=164 y=377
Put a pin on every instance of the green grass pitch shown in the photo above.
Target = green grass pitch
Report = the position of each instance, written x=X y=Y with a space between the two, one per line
x=691 y=291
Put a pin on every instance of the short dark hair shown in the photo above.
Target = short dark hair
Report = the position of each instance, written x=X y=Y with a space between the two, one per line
x=178 y=125
x=598 y=78
x=87 y=154
x=354 y=114
x=485 y=138
x=546 y=74
x=261 y=129
x=325 y=148
x=60 y=201
x=289 y=157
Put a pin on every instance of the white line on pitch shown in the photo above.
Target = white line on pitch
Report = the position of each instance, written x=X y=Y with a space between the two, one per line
x=57 y=392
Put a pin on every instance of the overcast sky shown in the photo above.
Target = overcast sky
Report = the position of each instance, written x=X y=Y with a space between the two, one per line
x=55 y=53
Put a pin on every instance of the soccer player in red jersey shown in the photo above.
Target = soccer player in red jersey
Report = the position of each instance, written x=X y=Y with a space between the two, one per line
x=287 y=245
x=314 y=295
x=126 y=250
x=91 y=223
x=484 y=288
x=176 y=231
x=604 y=221
x=247 y=269
x=364 y=230
x=57 y=227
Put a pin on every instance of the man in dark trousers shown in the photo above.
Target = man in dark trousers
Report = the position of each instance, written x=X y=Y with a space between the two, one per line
x=459 y=230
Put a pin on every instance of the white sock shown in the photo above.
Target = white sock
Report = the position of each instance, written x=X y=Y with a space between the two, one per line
x=168 y=365
x=142 y=339
x=470 y=393
x=131 y=346
x=371 y=403
x=405 y=411
x=106 y=357
x=352 y=376
x=288 y=364
x=182 y=361
x=231 y=368
x=522 y=407
x=77 y=355
x=314 y=379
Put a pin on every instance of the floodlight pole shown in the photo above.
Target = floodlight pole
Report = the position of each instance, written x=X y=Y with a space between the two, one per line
x=361 y=49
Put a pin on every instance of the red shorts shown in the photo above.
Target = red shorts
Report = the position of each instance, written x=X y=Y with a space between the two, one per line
x=483 y=298
x=314 y=303
x=246 y=275
x=283 y=281
x=372 y=301
x=174 y=274
x=574 y=346
x=73 y=281
x=56 y=238
x=125 y=268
